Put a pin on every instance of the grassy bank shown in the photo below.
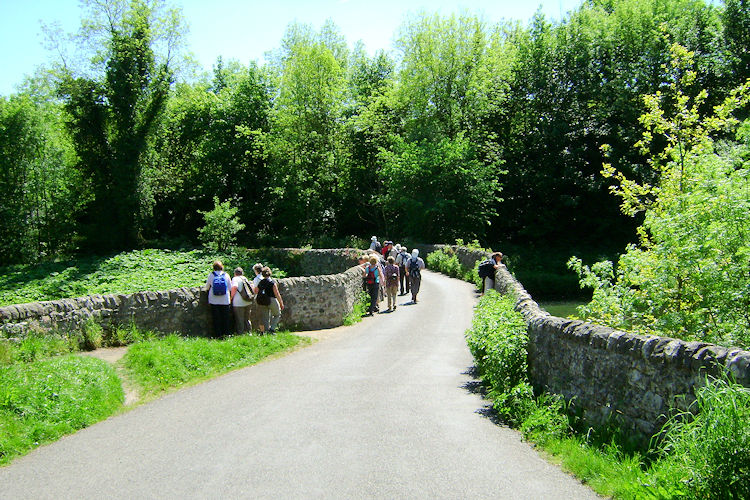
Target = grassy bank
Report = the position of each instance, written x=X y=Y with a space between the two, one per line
x=173 y=361
x=704 y=457
x=127 y=272
x=42 y=400
x=46 y=391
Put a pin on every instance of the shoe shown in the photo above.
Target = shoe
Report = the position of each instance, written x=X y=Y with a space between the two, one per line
x=394 y=307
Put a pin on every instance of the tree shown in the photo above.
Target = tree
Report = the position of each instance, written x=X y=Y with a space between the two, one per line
x=688 y=276
x=113 y=118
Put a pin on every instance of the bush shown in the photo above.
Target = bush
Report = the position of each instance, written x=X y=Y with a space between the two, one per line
x=222 y=225
x=446 y=262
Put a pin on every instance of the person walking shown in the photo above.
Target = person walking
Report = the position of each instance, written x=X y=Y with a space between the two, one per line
x=218 y=285
x=402 y=259
x=391 y=283
x=415 y=266
x=269 y=301
x=241 y=297
x=372 y=276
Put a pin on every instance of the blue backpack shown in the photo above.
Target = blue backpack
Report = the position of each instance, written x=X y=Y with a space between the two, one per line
x=219 y=285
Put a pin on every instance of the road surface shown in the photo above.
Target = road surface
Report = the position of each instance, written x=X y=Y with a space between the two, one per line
x=382 y=409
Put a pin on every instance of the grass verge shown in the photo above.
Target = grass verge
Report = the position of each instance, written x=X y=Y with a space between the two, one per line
x=159 y=365
x=702 y=455
x=45 y=399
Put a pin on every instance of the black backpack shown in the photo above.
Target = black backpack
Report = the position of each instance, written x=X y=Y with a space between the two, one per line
x=245 y=289
x=265 y=291
x=486 y=269
x=414 y=269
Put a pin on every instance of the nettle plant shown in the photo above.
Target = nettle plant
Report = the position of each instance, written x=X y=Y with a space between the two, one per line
x=688 y=276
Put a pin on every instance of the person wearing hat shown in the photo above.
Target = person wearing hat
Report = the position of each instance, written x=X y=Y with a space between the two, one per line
x=374 y=243
x=402 y=257
x=386 y=251
x=414 y=267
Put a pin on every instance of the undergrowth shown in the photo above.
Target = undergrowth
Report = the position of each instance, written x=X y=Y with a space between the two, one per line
x=127 y=272
x=358 y=310
x=703 y=455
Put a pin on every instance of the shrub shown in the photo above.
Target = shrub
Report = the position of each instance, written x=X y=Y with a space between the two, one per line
x=91 y=337
x=446 y=262
x=360 y=307
x=222 y=226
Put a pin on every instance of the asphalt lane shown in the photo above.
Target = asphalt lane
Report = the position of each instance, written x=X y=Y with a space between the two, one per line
x=377 y=410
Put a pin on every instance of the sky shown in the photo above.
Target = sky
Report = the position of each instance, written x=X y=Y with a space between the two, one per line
x=246 y=30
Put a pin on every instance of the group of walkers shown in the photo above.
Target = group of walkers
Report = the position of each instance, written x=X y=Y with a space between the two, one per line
x=233 y=297
x=389 y=269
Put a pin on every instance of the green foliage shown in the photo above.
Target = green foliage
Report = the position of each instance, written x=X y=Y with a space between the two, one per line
x=446 y=262
x=688 y=276
x=157 y=365
x=37 y=188
x=113 y=117
x=358 y=310
x=127 y=272
x=708 y=456
x=91 y=335
x=220 y=232
x=43 y=400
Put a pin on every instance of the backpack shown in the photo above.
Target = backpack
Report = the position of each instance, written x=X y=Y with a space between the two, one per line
x=486 y=269
x=265 y=289
x=219 y=284
x=371 y=273
x=245 y=290
x=414 y=269
x=379 y=248
x=391 y=278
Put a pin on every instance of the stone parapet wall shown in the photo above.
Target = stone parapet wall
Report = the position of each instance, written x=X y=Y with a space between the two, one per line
x=311 y=302
x=611 y=375
x=313 y=262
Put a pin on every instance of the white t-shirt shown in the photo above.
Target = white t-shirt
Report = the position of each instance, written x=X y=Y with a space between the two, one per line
x=218 y=300
x=257 y=279
x=238 y=300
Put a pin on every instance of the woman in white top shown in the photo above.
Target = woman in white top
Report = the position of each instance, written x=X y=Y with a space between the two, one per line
x=219 y=285
x=240 y=306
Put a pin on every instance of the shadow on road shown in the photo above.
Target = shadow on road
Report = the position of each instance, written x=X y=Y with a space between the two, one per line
x=475 y=386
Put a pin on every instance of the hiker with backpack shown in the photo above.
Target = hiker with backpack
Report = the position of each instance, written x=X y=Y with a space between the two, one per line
x=375 y=245
x=219 y=285
x=487 y=270
x=242 y=298
x=373 y=277
x=402 y=258
x=414 y=267
x=269 y=300
x=391 y=283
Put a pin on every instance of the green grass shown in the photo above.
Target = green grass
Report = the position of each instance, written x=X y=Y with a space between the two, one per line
x=159 y=365
x=43 y=400
x=127 y=272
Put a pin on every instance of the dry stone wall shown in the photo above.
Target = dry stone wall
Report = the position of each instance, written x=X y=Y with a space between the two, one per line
x=311 y=302
x=614 y=376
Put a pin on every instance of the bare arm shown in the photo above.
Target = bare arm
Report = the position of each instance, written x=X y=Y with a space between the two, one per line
x=278 y=296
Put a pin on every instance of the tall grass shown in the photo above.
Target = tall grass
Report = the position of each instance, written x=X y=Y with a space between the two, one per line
x=45 y=399
x=158 y=365
x=358 y=310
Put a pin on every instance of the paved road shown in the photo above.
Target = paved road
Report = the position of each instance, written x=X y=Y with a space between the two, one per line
x=377 y=410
